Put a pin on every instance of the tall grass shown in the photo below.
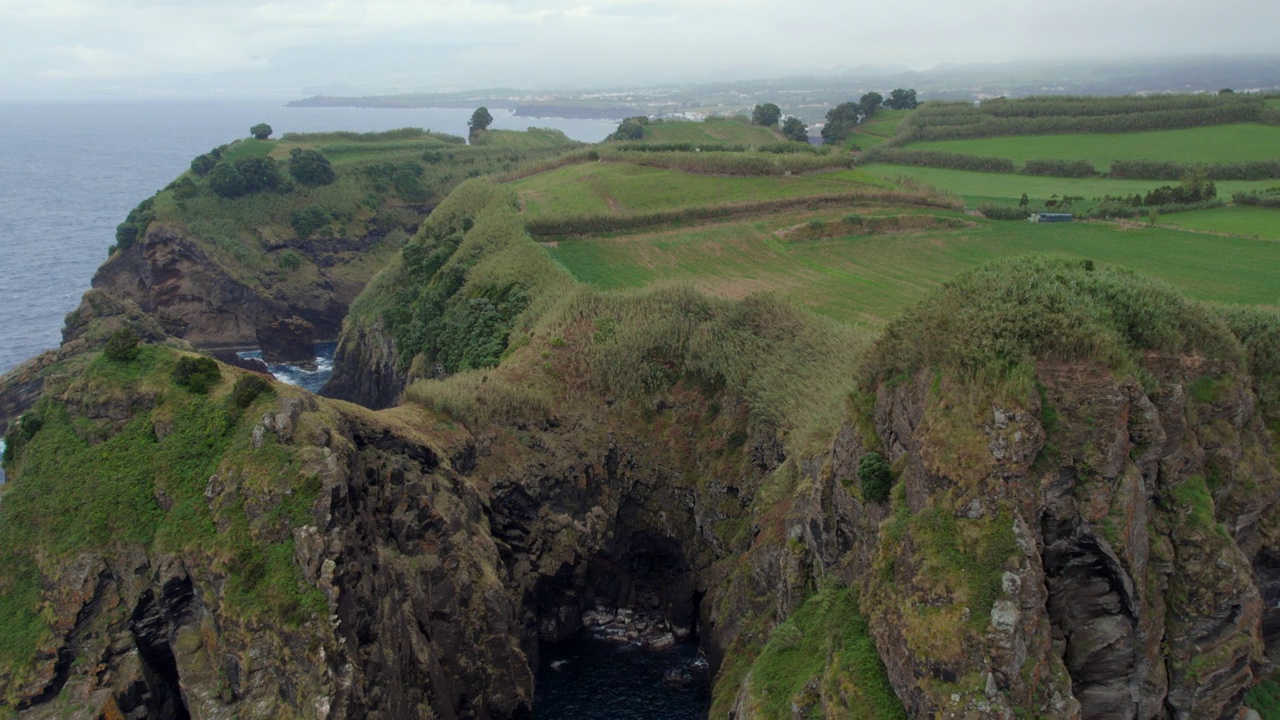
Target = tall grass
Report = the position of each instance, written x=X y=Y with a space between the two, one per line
x=992 y=322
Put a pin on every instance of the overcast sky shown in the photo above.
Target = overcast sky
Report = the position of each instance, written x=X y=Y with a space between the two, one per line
x=61 y=48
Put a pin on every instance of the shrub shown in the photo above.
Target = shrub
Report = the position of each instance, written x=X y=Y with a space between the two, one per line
x=197 y=374
x=244 y=177
x=135 y=225
x=261 y=131
x=202 y=164
x=875 y=476
x=247 y=389
x=310 y=167
x=289 y=261
x=998 y=212
x=122 y=346
x=309 y=220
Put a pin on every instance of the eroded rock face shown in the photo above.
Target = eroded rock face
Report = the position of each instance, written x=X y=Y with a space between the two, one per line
x=1119 y=558
x=197 y=299
x=365 y=370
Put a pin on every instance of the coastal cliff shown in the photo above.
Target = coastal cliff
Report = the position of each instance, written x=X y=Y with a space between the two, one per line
x=1048 y=490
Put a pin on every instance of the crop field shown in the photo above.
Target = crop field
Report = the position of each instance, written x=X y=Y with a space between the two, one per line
x=882 y=127
x=1213 y=144
x=1260 y=222
x=620 y=188
x=714 y=130
x=978 y=187
x=869 y=279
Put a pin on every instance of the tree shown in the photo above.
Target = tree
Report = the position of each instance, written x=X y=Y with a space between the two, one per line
x=480 y=120
x=902 y=99
x=793 y=128
x=840 y=120
x=310 y=167
x=1024 y=201
x=261 y=131
x=631 y=128
x=766 y=115
x=869 y=103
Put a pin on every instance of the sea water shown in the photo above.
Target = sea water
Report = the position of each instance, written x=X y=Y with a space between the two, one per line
x=590 y=678
x=71 y=171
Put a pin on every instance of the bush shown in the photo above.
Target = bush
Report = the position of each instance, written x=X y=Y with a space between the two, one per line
x=203 y=164
x=135 y=225
x=309 y=220
x=122 y=346
x=248 y=388
x=875 y=476
x=245 y=177
x=197 y=374
x=310 y=167
x=998 y=212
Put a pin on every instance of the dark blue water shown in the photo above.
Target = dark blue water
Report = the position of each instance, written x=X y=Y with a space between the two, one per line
x=586 y=678
x=70 y=172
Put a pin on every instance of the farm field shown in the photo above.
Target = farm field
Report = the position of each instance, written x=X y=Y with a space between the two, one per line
x=1216 y=143
x=620 y=188
x=977 y=187
x=869 y=279
x=531 y=139
x=877 y=131
x=714 y=130
x=1258 y=222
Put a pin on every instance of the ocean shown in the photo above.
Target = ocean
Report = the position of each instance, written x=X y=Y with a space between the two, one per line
x=71 y=171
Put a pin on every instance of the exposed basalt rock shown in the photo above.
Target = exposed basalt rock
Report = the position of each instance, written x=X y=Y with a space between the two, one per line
x=291 y=339
x=195 y=298
x=1122 y=594
x=365 y=369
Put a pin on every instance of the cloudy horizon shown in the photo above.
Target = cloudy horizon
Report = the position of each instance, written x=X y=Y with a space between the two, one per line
x=130 y=48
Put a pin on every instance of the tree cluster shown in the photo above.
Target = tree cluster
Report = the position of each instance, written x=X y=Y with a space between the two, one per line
x=766 y=114
x=794 y=129
x=631 y=128
x=261 y=131
x=310 y=167
x=480 y=120
x=245 y=176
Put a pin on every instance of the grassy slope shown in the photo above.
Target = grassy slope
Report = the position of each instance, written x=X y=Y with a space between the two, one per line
x=870 y=279
x=1257 y=222
x=622 y=187
x=713 y=130
x=976 y=187
x=882 y=127
x=1217 y=143
x=531 y=139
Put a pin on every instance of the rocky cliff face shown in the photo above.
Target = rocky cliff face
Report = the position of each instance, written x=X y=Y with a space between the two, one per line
x=195 y=297
x=1089 y=552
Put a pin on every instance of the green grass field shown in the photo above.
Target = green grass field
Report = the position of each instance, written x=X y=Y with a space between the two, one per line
x=531 y=139
x=712 y=131
x=1257 y=222
x=868 y=280
x=1217 y=143
x=976 y=187
x=882 y=127
x=620 y=188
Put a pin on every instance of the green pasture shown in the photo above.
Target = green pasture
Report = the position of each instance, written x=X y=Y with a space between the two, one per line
x=713 y=130
x=531 y=139
x=977 y=187
x=1215 y=143
x=869 y=279
x=1259 y=222
x=621 y=188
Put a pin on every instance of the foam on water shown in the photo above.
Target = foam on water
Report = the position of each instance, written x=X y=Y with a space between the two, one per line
x=311 y=379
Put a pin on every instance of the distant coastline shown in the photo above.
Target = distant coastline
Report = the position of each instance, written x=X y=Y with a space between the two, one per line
x=530 y=110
